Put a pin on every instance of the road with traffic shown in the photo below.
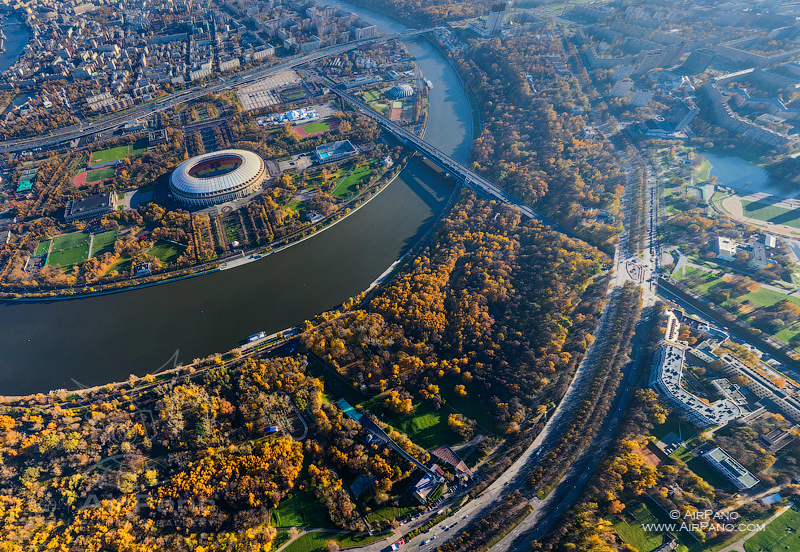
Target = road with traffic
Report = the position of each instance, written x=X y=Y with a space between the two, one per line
x=167 y=102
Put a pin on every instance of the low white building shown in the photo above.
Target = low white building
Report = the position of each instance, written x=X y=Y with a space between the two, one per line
x=725 y=248
x=665 y=378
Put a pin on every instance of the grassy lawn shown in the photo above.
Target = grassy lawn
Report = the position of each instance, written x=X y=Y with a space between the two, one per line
x=762 y=297
x=301 y=510
x=675 y=425
x=231 y=230
x=771 y=213
x=314 y=542
x=767 y=297
x=111 y=154
x=120 y=152
x=280 y=539
x=100 y=174
x=294 y=205
x=311 y=128
x=781 y=534
x=392 y=512
x=139 y=147
x=42 y=248
x=168 y=252
x=69 y=241
x=465 y=405
x=704 y=170
x=348 y=184
x=68 y=257
x=629 y=527
x=371 y=95
x=120 y=266
x=425 y=426
x=701 y=468
x=103 y=243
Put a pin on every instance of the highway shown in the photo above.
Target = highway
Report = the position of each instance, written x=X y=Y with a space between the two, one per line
x=546 y=512
x=167 y=102
x=450 y=165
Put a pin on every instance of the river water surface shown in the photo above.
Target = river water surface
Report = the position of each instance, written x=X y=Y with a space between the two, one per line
x=95 y=340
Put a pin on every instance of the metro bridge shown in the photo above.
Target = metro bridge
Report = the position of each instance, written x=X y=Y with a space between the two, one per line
x=452 y=167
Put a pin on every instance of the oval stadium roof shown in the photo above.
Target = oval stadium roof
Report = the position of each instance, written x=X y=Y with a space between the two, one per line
x=251 y=166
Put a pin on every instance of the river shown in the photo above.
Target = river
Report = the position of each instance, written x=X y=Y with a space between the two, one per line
x=16 y=40
x=96 y=340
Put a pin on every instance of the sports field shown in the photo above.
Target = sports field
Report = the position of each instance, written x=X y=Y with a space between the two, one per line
x=312 y=129
x=120 y=152
x=100 y=174
x=771 y=213
x=103 y=243
x=371 y=95
x=781 y=534
x=168 y=252
x=42 y=248
x=69 y=249
x=319 y=126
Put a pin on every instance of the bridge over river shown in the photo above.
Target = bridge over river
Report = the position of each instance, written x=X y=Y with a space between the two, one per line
x=450 y=165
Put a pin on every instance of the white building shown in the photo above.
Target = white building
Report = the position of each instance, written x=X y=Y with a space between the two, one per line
x=665 y=378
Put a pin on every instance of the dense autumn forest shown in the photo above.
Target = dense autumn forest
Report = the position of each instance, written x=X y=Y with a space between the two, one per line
x=429 y=12
x=180 y=463
x=532 y=140
x=499 y=305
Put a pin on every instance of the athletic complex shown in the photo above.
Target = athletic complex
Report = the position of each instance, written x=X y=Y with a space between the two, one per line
x=217 y=177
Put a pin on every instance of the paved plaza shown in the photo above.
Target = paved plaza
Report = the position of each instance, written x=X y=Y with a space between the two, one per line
x=264 y=92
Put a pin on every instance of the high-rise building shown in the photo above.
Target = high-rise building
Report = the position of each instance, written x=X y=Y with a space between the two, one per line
x=495 y=21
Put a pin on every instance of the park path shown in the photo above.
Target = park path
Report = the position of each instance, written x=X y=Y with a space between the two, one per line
x=308 y=530
x=738 y=546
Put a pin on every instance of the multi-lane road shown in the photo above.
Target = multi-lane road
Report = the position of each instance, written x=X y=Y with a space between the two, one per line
x=167 y=102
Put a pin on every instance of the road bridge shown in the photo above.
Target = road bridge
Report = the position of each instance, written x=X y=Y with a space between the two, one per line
x=449 y=165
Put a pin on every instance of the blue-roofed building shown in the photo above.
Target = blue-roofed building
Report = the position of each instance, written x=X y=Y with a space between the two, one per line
x=328 y=153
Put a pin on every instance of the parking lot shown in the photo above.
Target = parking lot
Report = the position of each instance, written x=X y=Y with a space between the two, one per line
x=264 y=93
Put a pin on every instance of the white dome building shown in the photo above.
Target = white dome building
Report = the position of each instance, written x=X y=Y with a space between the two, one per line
x=213 y=178
x=401 y=91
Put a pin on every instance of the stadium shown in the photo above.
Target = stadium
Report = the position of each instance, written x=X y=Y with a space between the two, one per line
x=217 y=177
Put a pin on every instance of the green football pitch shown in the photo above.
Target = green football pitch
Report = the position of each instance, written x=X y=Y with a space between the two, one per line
x=771 y=213
x=311 y=128
x=103 y=243
x=100 y=174
x=69 y=249
x=120 y=152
